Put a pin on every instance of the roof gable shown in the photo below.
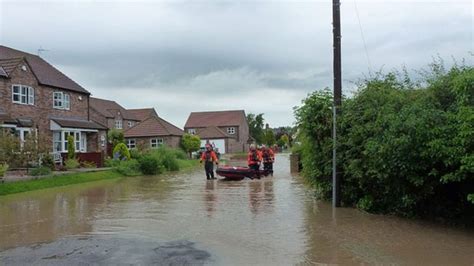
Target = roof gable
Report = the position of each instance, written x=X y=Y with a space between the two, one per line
x=153 y=126
x=212 y=133
x=143 y=114
x=8 y=65
x=218 y=118
x=45 y=73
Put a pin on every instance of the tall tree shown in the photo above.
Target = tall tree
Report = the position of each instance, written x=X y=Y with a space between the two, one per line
x=256 y=123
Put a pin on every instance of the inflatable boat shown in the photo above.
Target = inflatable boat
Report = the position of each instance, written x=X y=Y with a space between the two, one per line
x=238 y=172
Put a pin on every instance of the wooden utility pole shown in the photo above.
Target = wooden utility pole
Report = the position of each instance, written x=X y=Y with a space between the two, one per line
x=336 y=22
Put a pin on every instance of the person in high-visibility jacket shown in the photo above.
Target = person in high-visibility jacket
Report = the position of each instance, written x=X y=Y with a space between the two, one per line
x=209 y=157
x=268 y=157
x=253 y=160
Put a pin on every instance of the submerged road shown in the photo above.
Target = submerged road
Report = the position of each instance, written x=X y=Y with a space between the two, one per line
x=181 y=218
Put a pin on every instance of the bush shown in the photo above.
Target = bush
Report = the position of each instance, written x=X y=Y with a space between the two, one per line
x=128 y=168
x=111 y=162
x=121 y=152
x=3 y=169
x=150 y=165
x=47 y=161
x=404 y=148
x=71 y=150
x=135 y=154
x=72 y=164
x=42 y=170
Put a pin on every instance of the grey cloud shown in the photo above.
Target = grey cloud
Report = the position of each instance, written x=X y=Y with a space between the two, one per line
x=226 y=54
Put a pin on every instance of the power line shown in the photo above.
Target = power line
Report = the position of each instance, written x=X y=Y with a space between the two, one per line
x=363 y=38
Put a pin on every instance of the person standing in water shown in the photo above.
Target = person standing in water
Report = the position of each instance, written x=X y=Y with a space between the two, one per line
x=253 y=160
x=268 y=159
x=209 y=157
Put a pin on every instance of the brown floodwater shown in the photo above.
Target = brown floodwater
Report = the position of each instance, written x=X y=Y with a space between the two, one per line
x=275 y=220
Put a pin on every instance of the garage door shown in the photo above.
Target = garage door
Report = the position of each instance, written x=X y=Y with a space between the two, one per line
x=218 y=143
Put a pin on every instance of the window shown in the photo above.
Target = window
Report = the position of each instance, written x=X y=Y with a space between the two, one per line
x=131 y=143
x=131 y=123
x=23 y=94
x=61 y=100
x=155 y=143
x=192 y=131
x=60 y=143
x=231 y=130
x=118 y=124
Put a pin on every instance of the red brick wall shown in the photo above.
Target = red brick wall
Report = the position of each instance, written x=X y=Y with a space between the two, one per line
x=43 y=109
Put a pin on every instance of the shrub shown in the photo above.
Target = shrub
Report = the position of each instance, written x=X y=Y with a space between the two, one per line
x=47 y=161
x=72 y=164
x=150 y=165
x=121 y=152
x=167 y=158
x=135 y=154
x=3 y=169
x=128 y=168
x=111 y=162
x=405 y=149
x=71 y=150
x=42 y=170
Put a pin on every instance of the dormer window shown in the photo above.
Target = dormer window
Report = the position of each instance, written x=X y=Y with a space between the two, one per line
x=118 y=124
x=231 y=130
x=23 y=94
x=131 y=123
x=61 y=100
x=192 y=131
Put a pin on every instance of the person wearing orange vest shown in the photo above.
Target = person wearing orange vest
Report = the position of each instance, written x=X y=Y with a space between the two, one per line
x=268 y=157
x=209 y=157
x=253 y=160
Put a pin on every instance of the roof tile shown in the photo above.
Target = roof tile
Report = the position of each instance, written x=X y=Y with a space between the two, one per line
x=218 y=118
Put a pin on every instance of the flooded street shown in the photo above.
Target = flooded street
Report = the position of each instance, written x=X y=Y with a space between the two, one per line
x=158 y=219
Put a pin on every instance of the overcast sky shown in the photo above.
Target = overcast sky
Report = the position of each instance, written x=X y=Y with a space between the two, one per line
x=260 y=56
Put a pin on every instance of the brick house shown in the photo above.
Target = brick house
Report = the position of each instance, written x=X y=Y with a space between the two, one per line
x=37 y=98
x=227 y=130
x=152 y=131
x=111 y=114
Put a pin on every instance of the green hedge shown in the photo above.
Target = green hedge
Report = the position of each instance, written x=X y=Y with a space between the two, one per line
x=406 y=148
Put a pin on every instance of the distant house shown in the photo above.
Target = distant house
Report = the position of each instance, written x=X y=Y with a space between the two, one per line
x=111 y=114
x=152 y=131
x=226 y=130
x=36 y=98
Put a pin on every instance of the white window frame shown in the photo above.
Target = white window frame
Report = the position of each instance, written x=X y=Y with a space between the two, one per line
x=156 y=143
x=80 y=140
x=192 y=131
x=131 y=143
x=25 y=94
x=61 y=100
x=118 y=124
x=231 y=130
x=131 y=123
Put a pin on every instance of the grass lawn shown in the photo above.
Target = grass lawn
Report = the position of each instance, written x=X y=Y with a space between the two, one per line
x=74 y=178
x=56 y=181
